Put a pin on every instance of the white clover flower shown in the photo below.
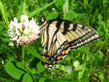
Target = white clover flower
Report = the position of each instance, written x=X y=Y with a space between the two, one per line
x=68 y=69
x=76 y=65
x=24 y=32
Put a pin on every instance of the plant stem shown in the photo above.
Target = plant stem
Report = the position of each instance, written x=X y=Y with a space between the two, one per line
x=23 y=54
x=31 y=74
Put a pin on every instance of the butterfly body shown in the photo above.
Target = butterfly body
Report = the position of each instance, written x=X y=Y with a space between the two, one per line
x=60 y=36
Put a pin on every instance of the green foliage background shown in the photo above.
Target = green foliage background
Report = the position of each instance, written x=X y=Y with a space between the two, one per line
x=93 y=58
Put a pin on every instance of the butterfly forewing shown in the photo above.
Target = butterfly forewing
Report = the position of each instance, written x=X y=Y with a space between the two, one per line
x=59 y=36
x=77 y=34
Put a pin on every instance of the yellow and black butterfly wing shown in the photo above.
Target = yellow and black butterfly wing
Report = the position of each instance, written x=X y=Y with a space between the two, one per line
x=52 y=40
x=58 y=36
x=77 y=34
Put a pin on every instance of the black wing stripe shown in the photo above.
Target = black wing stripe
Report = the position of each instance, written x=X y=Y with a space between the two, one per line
x=58 y=24
x=82 y=27
x=74 y=26
x=47 y=34
x=66 y=27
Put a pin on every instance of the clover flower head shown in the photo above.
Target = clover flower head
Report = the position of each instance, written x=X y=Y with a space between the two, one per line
x=23 y=32
x=68 y=69
x=76 y=65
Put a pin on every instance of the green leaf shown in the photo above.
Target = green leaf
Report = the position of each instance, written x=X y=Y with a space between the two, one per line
x=101 y=57
x=13 y=71
x=52 y=15
x=70 y=15
x=1 y=27
x=20 y=65
x=59 y=80
x=22 y=9
x=42 y=79
x=82 y=69
x=6 y=40
x=4 y=14
x=33 y=70
x=59 y=3
x=27 y=78
x=40 y=67
x=33 y=52
x=41 y=9
x=101 y=76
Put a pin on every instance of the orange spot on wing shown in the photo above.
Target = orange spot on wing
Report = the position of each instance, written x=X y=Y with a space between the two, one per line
x=44 y=57
x=66 y=45
x=59 y=57
x=64 y=52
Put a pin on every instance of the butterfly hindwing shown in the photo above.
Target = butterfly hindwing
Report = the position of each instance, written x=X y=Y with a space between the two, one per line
x=59 y=55
x=53 y=45
x=59 y=36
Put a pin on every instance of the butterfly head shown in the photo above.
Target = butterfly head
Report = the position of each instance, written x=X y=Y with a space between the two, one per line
x=43 y=19
x=44 y=23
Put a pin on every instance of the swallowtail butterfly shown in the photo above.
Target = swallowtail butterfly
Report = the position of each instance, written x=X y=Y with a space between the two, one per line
x=60 y=36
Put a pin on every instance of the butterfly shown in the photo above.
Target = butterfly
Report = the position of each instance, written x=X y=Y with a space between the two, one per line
x=60 y=36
